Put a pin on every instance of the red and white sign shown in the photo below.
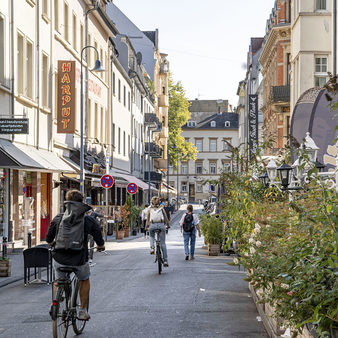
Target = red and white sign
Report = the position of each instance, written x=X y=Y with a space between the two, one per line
x=107 y=181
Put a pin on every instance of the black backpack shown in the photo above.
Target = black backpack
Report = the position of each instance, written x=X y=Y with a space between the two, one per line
x=70 y=232
x=188 y=223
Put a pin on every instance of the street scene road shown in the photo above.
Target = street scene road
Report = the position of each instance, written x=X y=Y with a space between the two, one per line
x=200 y=298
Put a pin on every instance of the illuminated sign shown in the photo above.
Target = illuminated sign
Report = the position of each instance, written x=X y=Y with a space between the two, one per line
x=66 y=97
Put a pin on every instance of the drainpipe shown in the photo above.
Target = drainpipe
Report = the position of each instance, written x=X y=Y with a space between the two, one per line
x=111 y=107
x=334 y=37
x=38 y=73
x=12 y=60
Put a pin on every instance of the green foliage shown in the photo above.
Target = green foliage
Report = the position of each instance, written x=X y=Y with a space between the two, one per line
x=178 y=115
x=212 y=229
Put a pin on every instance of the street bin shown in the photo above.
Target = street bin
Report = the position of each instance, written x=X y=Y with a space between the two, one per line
x=110 y=227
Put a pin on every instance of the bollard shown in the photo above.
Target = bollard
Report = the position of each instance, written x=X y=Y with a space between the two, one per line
x=4 y=247
x=29 y=240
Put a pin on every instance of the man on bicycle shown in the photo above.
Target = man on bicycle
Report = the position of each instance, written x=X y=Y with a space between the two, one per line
x=64 y=233
x=157 y=220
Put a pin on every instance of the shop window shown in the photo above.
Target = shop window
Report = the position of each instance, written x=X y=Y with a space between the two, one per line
x=66 y=21
x=45 y=80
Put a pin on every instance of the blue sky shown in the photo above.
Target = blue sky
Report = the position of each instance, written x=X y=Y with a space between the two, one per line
x=207 y=41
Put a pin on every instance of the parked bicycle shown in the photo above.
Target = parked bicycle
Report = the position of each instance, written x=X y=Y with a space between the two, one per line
x=158 y=251
x=65 y=305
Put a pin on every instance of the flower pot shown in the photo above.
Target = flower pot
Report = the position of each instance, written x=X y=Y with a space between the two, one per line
x=120 y=234
x=134 y=232
x=213 y=249
x=126 y=233
x=5 y=268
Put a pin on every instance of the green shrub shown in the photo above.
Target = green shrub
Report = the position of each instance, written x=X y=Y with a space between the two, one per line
x=212 y=229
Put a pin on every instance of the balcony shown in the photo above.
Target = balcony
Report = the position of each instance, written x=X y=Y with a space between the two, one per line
x=280 y=95
x=164 y=133
x=163 y=101
x=164 y=68
x=161 y=164
x=153 y=149
x=154 y=176
x=151 y=119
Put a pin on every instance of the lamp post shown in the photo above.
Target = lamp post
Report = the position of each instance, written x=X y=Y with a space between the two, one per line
x=272 y=170
x=149 y=165
x=168 y=174
x=284 y=175
x=175 y=147
x=97 y=68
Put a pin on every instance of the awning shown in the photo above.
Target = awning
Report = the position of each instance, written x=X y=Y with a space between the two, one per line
x=21 y=156
x=74 y=165
x=165 y=186
x=133 y=179
x=96 y=182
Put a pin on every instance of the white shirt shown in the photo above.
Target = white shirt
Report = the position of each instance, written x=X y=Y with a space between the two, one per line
x=195 y=217
x=145 y=213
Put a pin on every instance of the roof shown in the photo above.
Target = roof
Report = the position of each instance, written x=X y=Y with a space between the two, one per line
x=209 y=106
x=203 y=120
x=140 y=41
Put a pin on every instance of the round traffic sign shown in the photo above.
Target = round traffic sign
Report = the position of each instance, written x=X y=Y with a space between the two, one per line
x=107 y=181
x=132 y=188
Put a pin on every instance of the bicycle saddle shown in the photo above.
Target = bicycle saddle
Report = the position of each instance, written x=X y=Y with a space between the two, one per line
x=66 y=269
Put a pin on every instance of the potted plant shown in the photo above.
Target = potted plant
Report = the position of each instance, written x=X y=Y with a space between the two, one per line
x=5 y=267
x=212 y=229
x=134 y=213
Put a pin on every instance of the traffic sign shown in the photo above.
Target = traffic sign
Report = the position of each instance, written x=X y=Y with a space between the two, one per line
x=132 y=188
x=107 y=181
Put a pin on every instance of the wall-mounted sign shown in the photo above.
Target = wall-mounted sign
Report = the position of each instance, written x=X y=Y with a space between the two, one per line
x=14 y=126
x=253 y=124
x=66 y=97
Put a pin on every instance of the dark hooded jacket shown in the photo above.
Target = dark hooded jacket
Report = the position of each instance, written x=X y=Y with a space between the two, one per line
x=72 y=257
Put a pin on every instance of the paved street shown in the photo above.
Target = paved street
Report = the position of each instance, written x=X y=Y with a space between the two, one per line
x=201 y=298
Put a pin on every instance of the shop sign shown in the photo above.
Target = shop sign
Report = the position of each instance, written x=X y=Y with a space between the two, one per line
x=14 y=126
x=253 y=124
x=66 y=97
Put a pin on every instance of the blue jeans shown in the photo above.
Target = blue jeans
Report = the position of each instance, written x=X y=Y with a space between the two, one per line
x=189 y=236
x=162 y=227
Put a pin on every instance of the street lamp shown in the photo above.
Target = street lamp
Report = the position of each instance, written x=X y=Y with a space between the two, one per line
x=97 y=68
x=264 y=179
x=284 y=175
x=174 y=146
x=310 y=147
x=272 y=170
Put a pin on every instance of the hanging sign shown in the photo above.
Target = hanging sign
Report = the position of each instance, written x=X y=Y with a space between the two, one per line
x=66 y=97
x=253 y=124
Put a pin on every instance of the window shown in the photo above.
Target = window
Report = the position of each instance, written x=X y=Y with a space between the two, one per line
x=199 y=187
x=213 y=169
x=321 y=5
x=129 y=146
x=212 y=124
x=184 y=168
x=29 y=69
x=124 y=143
x=320 y=71
x=90 y=118
x=74 y=32
x=96 y=120
x=103 y=129
x=114 y=84
x=191 y=124
x=199 y=144
x=45 y=8
x=199 y=167
x=226 y=144
x=45 y=80
x=2 y=50
x=20 y=72
x=65 y=22
x=227 y=124
x=226 y=167
x=56 y=15
x=119 y=141
x=184 y=187
x=172 y=184
x=129 y=100
x=89 y=50
x=212 y=187
x=213 y=145
x=124 y=96
x=119 y=90
x=82 y=36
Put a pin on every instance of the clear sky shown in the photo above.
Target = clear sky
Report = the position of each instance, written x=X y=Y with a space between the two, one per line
x=206 y=41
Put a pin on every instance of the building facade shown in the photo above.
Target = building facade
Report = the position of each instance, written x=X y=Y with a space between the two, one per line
x=213 y=130
x=275 y=60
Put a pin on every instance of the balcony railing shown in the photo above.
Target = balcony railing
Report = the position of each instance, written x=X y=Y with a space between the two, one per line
x=154 y=176
x=150 y=118
x=153 y=149
x=280 y=94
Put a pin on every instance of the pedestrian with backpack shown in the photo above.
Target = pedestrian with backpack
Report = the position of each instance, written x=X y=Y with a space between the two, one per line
x=68 y=234
x=189 y=223
x=157 y=220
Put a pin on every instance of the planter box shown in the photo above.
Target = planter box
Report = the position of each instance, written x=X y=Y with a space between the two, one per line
x=5 y=268
x=214 y=249
x=126 y=233
x=120 y=234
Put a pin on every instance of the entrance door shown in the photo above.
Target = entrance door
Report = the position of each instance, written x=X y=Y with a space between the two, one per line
x=45 y=204
x=191 y=192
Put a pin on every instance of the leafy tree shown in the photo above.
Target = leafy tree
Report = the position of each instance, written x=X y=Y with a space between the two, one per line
x=178 y=116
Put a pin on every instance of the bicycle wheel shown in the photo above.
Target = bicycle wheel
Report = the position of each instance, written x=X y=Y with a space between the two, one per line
x=159 y=258
x=61 y=321
x=78 y=325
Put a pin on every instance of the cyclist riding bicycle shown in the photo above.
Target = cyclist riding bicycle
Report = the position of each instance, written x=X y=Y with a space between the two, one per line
x=68 y=233
x=157 y=220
